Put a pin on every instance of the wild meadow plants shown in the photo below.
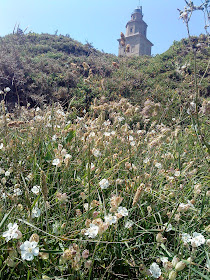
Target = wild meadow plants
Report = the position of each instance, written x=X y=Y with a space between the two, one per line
x=96 y=198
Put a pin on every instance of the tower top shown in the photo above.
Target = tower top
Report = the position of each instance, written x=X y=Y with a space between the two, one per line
x=138 y=10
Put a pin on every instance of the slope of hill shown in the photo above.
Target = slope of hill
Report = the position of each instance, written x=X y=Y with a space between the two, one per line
x=49 y=68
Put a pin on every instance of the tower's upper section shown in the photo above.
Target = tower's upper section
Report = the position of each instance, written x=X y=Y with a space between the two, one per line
x=137 y=14
x=136 y=24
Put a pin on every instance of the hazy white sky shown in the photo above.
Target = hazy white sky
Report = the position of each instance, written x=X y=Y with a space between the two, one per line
x=99 y=21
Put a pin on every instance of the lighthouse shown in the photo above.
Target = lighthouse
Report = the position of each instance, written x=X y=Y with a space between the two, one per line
x=135 y=42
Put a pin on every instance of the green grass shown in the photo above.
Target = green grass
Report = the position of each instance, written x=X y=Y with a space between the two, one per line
x=129 y=157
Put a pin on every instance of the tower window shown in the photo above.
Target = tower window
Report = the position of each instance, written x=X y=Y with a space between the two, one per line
x=131 y=29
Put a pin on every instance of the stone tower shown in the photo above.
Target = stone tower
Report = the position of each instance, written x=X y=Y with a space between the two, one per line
x=135 y=40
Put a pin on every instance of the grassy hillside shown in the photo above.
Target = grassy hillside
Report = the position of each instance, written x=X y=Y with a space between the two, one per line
x=48 y=68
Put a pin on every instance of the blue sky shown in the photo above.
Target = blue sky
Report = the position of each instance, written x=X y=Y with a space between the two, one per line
x=99 y=21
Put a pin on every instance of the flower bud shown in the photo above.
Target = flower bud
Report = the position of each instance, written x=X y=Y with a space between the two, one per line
x=190 y=260
x=85 y=254
x=177 y=217
x=63 y=225
x=149 y=209
x=175 y=261
x=88 y=264
x=180 y=266
x=19 y=234
x=10 y=262
x=168 y=266
x=172 y=275
x=68 y=254
x=78 y=212
x=34 y=237
x=87 y=222
x=83 y=195
x=43 y=256
x=160 y=238
x=20 y=207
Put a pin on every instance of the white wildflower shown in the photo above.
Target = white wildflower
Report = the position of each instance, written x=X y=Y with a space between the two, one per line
x=146 y=160
x=36 y=189
x=167 y=227
x=107 y=134
x=1 y=146
x=60 y=112
x=7 y=173
x=107 y=123
x=190 y=204
x=183 y=207
x=92 y=166
x=197 y=239
x=86 y=206
x=104 y=184
x=7 y=89
x=3 y=195
x=186 y=238
x=56 y=162
x=122 y=211
x=96 y=152
x=177 y=173
x=92 y=134
x=54 y=137
x=120 y=119
x=164 y=259
x=36 y=212
x=12 y=232
x=130 y=138
x=55 y=227
x=158 y=165
x=17 y=192
x=129 y=224
x=109 y=219
x=133 y=143
x=92 y=231
x=29 y=250
x=155 y=270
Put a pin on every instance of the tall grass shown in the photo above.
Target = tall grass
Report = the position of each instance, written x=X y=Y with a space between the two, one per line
x=112 y=199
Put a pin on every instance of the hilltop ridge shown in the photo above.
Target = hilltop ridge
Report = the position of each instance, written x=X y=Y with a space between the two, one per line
x=43 y=68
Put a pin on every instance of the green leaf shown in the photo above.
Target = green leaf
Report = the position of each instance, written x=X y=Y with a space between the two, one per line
x=165 y=249
x=52 y=251
x=70 y=136
x=5 y=217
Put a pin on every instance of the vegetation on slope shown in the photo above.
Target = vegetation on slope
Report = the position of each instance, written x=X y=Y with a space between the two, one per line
x=48 y=68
